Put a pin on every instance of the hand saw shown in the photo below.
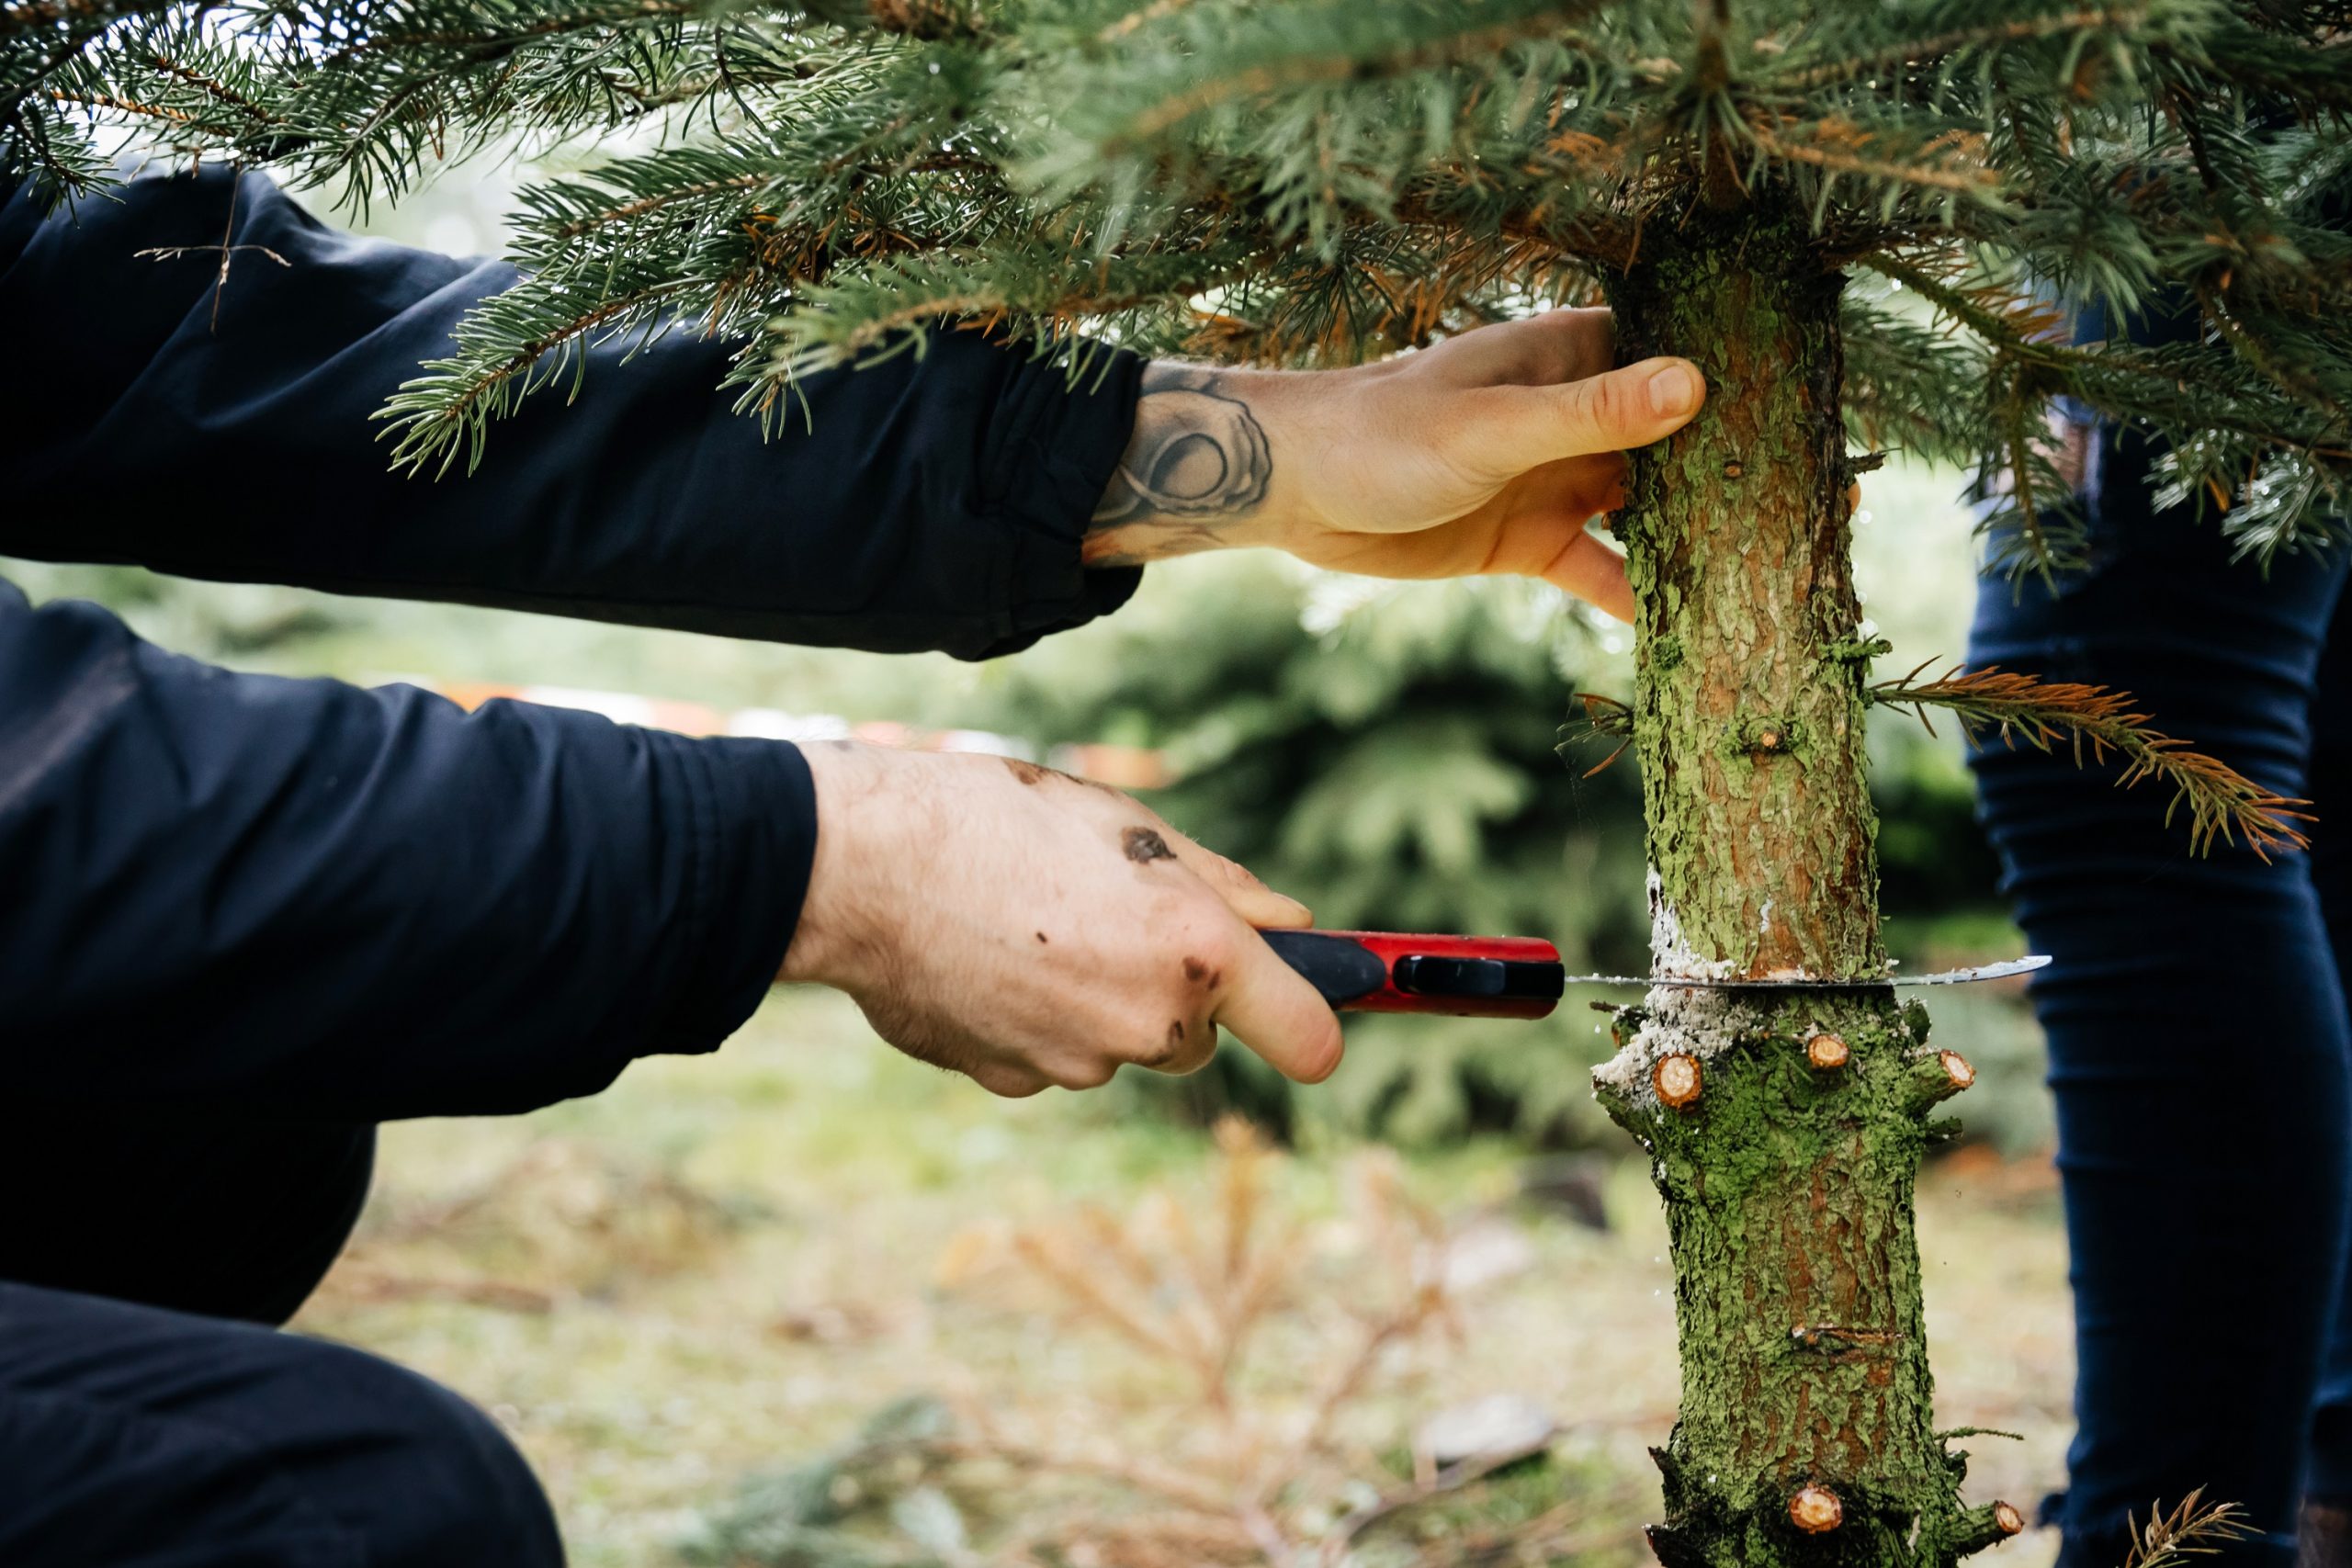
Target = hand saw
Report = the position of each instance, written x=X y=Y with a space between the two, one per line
x=1510 y=976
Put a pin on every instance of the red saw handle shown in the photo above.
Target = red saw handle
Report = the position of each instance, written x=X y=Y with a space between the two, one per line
x=1464 y=977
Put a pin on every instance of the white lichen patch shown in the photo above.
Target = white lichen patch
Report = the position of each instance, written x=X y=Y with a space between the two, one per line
x=1670 y=951
x=1677 y=1021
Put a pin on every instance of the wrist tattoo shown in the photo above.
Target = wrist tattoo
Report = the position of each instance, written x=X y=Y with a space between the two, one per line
x=1198 y=459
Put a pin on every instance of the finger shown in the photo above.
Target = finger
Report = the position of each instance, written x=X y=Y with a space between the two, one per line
x=1521 y=426
x=1594 y=573
x=1257 y=904
x=1184 y=1047
x=1271 y=1009
x=1558 y=345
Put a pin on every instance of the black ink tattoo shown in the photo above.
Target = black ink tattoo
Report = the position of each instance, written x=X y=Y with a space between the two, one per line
x=1198 y=458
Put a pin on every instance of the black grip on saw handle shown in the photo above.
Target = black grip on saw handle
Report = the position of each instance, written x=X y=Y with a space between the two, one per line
x=1342 y=968
x=1461 y=977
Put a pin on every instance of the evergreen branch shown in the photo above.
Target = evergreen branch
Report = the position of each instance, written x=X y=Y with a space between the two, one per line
x=892 y=306
x=1941 y=46
x=1910 y=385
x=1448 y=47
x=477 y=45
x=220 y=92
x=23 y=85
x=56 y=159
x=1142 y=16
x=2195 y=1528
x=2221 y=411
x=114 y=105
x=1586 y=232
x=926 y=19
x=89 y=16
x=455 y=398
x=2032 y=481
x=2223 y=803
x=2297 y=384
x=644 y=206
x=1978 y=180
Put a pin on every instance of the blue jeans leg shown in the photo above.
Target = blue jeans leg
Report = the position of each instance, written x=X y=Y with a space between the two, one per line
x=2199 y=1049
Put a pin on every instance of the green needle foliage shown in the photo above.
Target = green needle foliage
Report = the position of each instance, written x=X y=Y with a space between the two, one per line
x=2223 y=803
x=1318 y=181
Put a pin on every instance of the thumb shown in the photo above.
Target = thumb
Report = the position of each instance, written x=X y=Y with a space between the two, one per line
x=1271 y=1009
x=1609 y=413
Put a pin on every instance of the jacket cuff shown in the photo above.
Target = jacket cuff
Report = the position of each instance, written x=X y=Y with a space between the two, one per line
x=1054 y=439
x=749 y=824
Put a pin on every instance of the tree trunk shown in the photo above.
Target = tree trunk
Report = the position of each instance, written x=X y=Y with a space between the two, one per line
x=1785 y=1128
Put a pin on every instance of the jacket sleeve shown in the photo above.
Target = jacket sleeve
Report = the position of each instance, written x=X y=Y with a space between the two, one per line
x=302 y=897
x=224 y=429
x=299 y=896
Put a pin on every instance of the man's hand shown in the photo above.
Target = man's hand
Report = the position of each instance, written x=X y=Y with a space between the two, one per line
x=1489 y=453
x=1027 y=927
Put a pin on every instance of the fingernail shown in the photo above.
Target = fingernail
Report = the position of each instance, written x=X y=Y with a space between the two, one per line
x=1673 y=391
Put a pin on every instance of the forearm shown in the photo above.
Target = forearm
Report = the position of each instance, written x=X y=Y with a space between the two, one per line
x=1215 y=461
x=225 y=429
x=302 y=897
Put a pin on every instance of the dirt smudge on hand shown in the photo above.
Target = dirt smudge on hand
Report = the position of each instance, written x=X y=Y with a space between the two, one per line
x=1144 y=845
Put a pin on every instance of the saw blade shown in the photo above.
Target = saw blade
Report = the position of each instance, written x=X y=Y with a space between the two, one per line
x=2000 y=971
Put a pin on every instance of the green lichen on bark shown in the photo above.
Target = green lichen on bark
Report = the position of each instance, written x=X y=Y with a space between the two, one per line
x=1788 y=1190
x=1788 y=1185
x=1737 y=546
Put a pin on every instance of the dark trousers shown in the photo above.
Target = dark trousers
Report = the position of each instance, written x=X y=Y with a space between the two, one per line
x=143 y=1425
x=2199 y=1049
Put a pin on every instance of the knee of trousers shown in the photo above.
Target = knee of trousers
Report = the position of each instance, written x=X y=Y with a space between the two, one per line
x=422 y=1476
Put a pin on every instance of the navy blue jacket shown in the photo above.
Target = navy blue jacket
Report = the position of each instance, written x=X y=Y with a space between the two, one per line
x=305 y=897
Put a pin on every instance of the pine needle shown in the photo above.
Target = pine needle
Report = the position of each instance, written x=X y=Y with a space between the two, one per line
x=2223 y=803
x=2195 y=1528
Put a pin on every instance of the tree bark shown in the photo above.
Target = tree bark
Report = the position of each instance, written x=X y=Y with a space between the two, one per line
x=1785 y=1128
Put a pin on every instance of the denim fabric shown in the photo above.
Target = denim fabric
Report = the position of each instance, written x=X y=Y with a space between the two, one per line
x=2200 y=1048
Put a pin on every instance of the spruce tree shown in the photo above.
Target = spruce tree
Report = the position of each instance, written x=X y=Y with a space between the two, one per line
x=1854 y=215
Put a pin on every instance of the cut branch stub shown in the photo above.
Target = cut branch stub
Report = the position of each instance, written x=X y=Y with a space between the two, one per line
x=1987 y=1525
x=1678 y=1080
x=1939 y=1077
x=1825 y=1052
x=1816 y=1510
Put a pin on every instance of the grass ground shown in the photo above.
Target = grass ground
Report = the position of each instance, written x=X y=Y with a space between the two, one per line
x=724 y=1265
